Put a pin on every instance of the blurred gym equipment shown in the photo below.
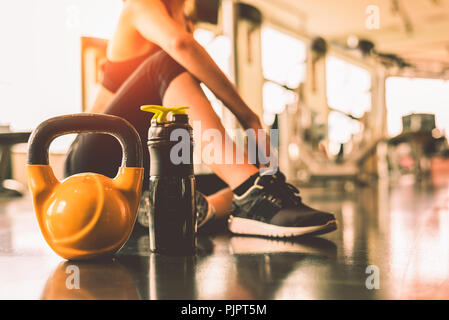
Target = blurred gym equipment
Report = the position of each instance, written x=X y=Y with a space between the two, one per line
x=7 y=140
x=420 y=136
x=303 y=152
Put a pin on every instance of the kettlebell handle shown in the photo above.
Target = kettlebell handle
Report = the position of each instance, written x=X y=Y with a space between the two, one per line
x=118 y=127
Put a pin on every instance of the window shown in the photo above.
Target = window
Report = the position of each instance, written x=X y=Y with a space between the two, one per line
x=219 y=48
x=348 y=96
x=283 y=64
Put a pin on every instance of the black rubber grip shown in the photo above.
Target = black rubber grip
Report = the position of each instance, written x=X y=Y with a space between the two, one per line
x=118 y=127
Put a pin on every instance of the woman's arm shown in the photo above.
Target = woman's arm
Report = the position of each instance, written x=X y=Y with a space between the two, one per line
x=152 y=21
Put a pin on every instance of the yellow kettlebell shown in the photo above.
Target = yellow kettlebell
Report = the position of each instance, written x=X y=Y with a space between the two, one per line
x=87 y=215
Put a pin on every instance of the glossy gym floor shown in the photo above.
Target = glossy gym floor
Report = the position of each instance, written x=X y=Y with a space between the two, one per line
x=398 y=233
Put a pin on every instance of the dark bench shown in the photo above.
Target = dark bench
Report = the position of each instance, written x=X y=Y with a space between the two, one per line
x=7 y=140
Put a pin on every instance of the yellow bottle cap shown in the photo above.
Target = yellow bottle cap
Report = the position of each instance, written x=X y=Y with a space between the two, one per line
x=160 y=112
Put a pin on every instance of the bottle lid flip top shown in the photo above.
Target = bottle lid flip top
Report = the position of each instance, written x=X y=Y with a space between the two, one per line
x=160 y=112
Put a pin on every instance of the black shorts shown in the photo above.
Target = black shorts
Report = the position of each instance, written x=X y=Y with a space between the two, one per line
x=101 y=153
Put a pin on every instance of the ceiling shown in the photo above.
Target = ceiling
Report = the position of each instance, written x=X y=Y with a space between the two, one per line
x=416 y=30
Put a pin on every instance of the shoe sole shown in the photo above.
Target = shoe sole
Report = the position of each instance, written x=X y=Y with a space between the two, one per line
x=252 y=227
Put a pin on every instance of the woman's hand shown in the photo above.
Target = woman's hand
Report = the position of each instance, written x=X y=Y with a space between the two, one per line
x=266 y=156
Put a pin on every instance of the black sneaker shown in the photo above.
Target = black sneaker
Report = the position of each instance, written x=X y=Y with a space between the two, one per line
x=273 y=208
x=204 y=211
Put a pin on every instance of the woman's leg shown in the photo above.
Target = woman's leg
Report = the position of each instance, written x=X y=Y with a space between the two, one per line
x=222 y=202
x=102 y=153
x=148 y=85
x=185 y=90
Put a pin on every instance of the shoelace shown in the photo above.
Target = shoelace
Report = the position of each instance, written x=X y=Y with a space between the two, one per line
x=280 y=189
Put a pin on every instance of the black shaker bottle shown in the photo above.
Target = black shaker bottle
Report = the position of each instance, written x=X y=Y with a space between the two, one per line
x=172 y=216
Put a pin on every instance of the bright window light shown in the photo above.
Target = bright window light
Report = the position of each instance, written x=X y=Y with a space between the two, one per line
x=219 y=48
x=283 y=63
x=283 y=57
x=348 y=93
x=348 y=87
x=40 y=61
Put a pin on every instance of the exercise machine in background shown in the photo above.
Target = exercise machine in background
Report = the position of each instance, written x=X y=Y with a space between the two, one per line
x=304 y=155
x=419 y=149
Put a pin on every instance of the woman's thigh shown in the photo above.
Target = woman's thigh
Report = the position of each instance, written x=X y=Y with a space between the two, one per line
x=102 y=153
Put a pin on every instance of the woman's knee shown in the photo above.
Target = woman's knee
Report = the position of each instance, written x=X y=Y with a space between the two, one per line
x=92 y=152
x=161 y=69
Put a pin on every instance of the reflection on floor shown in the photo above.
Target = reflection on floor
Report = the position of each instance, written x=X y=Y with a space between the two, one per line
x=401 y=232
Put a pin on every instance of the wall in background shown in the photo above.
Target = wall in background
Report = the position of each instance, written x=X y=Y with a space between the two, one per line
x=40 y=63
x=40 y=73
